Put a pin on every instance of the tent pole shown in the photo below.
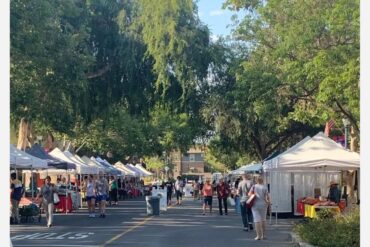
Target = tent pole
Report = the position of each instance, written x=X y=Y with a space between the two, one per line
x=66 y=195
x=32 y=182
x=81 y=202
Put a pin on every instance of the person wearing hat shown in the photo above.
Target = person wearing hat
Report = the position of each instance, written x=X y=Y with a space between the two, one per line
x=334 y=193
x=47 y=193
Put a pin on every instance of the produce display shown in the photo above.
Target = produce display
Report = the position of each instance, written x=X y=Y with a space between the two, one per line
x=326 y=203
x=310 y=200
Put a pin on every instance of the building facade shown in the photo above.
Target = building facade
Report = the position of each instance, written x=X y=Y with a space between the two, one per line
x=190 y=163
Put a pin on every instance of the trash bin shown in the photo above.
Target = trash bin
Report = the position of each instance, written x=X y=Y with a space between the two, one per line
x=152 y=205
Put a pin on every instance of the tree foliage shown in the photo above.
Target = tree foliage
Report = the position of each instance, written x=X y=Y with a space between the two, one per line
x=142 y=77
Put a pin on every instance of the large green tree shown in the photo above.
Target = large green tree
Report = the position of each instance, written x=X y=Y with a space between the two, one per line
x=314 y=48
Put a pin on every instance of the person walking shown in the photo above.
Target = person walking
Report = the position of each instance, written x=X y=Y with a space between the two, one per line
x=259 y=208
x=244 y=187
x=47 y=193
x=196 y=190
x=223 y=192
x=113 y=191
x=169 y=187
x=207 y=193
x=101 y=194
x=91 y=195
x=15 y=196
x=178 y=188
x=236 y=196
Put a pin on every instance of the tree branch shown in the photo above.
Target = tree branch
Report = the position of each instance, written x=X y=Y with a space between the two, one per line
x=99 y=72
x=349 y=116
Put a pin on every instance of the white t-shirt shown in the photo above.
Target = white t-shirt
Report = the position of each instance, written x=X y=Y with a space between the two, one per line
x=178 y=185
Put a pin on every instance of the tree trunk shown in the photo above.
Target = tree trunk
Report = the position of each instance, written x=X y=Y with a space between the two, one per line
x=25 y=135
x=354 y=140
x=350 y=175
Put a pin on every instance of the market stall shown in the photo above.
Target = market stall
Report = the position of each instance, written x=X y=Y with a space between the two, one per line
x=306 y=168
x=309 y=206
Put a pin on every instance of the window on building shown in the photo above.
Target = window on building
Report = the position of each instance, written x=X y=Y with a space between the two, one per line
x=192 y=157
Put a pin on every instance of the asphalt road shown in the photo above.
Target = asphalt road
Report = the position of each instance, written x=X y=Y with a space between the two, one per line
x=128 y=225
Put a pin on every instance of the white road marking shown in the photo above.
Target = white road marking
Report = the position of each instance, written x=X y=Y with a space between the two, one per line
x=53 y=236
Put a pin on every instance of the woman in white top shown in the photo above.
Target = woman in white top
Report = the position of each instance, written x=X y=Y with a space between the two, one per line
x=91 y=195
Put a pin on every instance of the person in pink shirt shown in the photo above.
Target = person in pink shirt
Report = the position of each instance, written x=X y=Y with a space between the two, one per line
x=207 y=193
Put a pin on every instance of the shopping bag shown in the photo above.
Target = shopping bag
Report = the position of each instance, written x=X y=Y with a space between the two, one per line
x=251 y=199
x=56 y=198
x=230 y=201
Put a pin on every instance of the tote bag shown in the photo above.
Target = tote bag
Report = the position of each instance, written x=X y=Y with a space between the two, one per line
x=230 y=201
x=56 y=198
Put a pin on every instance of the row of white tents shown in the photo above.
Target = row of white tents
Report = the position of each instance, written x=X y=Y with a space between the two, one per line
x=57 y=162
x=305 y=167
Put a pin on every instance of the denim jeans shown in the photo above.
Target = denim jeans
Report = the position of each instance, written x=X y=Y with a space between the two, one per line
x=237 y=204
x=247 y=216
x=224 y=201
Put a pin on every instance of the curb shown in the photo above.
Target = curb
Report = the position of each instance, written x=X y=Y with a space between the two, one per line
x=298 y=242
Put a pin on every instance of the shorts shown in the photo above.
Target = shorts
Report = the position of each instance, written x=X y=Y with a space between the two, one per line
x=208 y=200
x=88 y=198
x=101 y=198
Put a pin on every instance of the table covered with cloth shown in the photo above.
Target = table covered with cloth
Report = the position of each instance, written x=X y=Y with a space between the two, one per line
x=65 y=204
x=310 y=210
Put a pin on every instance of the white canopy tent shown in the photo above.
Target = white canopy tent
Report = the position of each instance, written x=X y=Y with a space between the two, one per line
x=251 y=168
x=90 y=163
x=147 y=173
x=57 y=153
x=310 y=164
x=82 y=167
x=128 y=172
x=23 y=160
x=140 y=172
x=96 y=164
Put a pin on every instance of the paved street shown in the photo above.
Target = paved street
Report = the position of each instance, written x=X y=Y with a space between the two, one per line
x=128 y=225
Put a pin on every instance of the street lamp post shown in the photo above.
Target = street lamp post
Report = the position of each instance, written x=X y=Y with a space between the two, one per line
x=346 y=123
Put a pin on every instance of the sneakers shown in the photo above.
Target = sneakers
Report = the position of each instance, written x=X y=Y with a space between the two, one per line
x=246 y=229
x=49 y=225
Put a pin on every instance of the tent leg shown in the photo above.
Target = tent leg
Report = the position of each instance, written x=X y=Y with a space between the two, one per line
x=80 y=193
x=270 y=214
x=66 y=195
x=32 y=183
x=276 y=214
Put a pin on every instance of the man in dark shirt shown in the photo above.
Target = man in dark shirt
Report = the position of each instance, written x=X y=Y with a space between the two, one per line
x=334 y=193
x=169 y=186
x=223 y=191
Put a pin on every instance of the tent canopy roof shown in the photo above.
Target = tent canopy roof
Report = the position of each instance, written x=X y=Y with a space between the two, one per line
x=57 y=153
x=317 y=153
x=37 y=151
x=20 y=159
x=247 y=168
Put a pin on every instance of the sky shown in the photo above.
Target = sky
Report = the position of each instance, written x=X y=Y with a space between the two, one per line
x=211 y=13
